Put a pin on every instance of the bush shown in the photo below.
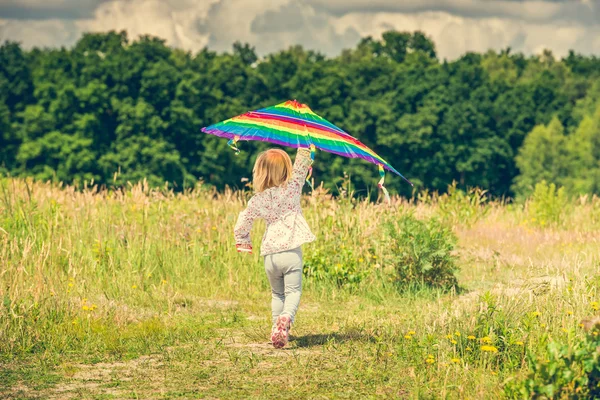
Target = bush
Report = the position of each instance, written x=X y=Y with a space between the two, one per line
x=565 y=371
x=340 y=265
x=548 y=205
x=422 y=253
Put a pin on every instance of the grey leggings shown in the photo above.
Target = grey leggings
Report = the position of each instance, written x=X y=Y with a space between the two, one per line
x=284 y=271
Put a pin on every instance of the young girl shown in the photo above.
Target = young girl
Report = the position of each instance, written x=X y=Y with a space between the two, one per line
x=277 y=200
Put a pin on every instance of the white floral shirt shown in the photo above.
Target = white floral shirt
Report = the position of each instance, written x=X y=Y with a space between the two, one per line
x=280 y=207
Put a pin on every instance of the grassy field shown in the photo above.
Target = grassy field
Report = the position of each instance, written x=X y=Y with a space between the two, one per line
x=140 y=294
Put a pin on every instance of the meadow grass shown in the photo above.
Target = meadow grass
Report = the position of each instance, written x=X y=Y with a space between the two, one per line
x=140 y=293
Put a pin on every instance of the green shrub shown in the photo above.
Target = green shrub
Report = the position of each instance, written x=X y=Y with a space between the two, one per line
x=548 y=205
x=341 y=265
x=421 y=252
x=564 y=371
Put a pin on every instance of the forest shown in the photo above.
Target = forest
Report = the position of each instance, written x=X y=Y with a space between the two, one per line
x=112 y=110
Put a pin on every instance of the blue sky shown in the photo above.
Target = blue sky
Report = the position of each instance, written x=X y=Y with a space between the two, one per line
x=456 y=26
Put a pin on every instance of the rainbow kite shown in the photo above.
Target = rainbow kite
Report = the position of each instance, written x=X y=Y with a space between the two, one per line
x=294 y=124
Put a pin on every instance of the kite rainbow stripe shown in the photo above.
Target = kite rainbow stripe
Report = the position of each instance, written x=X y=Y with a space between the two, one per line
x=296 y=125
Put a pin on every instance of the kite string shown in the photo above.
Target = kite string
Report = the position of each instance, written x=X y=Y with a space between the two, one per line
x=381 y=181
x=310 y=169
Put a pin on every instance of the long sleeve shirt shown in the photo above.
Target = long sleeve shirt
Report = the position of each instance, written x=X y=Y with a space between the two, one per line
x=280 y=207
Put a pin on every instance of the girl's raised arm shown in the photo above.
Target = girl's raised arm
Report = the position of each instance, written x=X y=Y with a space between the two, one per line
x=301 y=165
x=242 y=229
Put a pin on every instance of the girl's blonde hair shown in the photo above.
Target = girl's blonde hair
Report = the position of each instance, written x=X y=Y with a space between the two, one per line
x=272 y=168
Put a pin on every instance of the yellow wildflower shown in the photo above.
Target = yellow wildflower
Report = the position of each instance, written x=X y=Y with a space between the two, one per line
x=595 y=306
x=407 y=337
x=214 y=228
x=360 y=260
x=457 y=333
x=569 y=312
x=70 y=284
x=411 y=332
x=453 y=341
x=134 y=286
x=486 y=339
x=448 y=336
x=469 y=349
x=455 y=360
x=85 y=308
x=536 y=314
x=519 y=343
x=489 y=349
x=430 y=361
x=471 y=337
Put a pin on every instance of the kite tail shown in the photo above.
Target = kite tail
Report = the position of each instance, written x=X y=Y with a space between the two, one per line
x=233 y=144
x=380 y=184
x=310 y=169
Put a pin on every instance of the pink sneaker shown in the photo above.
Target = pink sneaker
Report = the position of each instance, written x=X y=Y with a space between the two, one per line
x=280 y=332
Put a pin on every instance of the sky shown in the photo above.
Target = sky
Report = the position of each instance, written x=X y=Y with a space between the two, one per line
x=456 y=26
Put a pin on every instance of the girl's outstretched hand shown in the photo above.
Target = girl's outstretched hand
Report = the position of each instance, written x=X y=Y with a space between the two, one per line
x=244 y=248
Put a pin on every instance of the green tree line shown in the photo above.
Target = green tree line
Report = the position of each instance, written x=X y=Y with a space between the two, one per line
x=115 y=110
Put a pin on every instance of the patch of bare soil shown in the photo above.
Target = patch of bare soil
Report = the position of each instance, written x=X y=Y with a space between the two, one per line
x=253 y=345
x=18 y=391
x=107 y=378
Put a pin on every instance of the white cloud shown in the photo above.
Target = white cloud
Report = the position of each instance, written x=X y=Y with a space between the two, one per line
x=231 y=20
x=173 y=21
x=456 y=26
x=455 y=35
x=270 y=25
x=295 y=23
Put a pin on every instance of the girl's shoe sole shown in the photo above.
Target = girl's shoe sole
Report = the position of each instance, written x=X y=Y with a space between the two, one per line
x=280 y=337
